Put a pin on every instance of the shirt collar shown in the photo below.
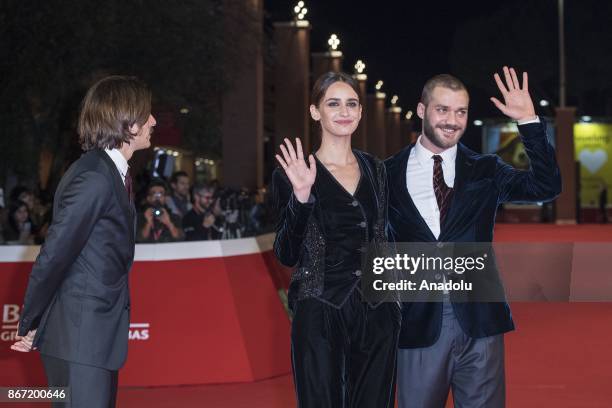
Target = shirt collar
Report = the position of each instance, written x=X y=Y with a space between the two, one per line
x=424 y=155
x=119 y=160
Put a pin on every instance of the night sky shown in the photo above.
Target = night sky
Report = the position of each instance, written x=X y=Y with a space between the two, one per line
x=406 y=42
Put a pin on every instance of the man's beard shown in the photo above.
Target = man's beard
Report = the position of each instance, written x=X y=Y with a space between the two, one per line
x=430 y=134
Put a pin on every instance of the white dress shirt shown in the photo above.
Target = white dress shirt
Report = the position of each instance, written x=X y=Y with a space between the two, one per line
x=419 y=181
x=120 y=162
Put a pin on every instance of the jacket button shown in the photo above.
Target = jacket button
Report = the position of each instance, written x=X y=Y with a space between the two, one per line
x=362 y=224
x=357 y=273
x=440 y=245
x=354 y=203
x=437 y=276
x=306 y=272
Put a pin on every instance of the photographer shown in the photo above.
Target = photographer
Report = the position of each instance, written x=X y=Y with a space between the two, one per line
x=179 y=201
x=203 y=222
x=231 y=204
x=157 y=223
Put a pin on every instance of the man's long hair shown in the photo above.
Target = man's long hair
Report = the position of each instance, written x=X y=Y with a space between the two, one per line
x=110 y=107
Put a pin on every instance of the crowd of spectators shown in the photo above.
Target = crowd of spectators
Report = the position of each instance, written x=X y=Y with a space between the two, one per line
x=24 y=218
x=167 y=211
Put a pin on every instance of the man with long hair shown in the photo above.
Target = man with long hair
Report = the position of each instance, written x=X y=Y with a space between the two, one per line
x=77 y=303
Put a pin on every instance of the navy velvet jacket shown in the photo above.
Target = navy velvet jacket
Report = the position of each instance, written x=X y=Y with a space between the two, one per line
x=482 y=182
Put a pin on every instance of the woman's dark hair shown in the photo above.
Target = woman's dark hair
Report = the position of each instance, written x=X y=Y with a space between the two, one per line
x=328 y=79
x=13 y=208
x=17 y=191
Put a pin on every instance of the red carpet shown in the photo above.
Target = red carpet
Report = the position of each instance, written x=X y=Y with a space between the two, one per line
x=559 y=357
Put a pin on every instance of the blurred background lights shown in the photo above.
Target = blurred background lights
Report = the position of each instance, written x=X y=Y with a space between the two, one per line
x=359 y=66
x=333 y=42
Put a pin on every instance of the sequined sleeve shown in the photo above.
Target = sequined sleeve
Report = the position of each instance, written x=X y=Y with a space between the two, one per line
x=292 y=219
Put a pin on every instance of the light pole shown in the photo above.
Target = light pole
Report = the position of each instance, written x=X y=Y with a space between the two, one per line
x=360 y=136
x=561 y=55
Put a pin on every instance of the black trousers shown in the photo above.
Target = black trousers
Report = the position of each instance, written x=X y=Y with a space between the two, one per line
x=90 y=387
x=344 y=357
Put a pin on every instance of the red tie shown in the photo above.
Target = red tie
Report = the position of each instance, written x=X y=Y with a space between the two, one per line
x=442 y=191
x=128 y=186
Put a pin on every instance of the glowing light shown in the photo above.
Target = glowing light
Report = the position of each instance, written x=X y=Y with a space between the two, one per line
x=586 y=118
x=379 y=85
x=394 y=99
x=184 y=111
x=544 y=102
x=333 y=42
x=300 y=11
x=408 y=115
x=478 y=122
x=359 y=67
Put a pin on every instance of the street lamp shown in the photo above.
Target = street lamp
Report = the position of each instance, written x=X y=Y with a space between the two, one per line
x=299 y=12
x=380 y=94
x=394 y=108
x=359 y=68
x=333 y=43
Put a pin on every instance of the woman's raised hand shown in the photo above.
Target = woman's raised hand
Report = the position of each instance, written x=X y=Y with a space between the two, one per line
x=300 y=174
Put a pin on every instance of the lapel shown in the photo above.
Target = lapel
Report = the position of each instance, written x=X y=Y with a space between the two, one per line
x=120 y=191
x=404 y=198
x=463 y=170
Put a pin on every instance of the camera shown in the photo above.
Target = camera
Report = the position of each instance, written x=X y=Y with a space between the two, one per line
x=158 y=209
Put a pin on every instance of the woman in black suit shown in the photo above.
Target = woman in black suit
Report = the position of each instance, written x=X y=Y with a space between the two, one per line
x=331 y=208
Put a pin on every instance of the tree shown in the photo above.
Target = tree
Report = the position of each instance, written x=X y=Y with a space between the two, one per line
x=50 y=52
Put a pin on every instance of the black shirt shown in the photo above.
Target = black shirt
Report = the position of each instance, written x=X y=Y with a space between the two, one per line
x=195 y=231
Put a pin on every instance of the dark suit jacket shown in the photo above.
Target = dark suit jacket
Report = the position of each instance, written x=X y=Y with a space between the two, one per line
x=482 y=182
x=78 y=295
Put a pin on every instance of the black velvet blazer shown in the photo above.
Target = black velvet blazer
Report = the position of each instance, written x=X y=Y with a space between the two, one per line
x=482 y=182
x=300 y=240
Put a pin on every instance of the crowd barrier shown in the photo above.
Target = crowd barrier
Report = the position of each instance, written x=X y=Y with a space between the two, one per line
x=202 y=312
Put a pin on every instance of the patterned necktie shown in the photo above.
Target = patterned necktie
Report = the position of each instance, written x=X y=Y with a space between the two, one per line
x=128 y=186
x=443 y=192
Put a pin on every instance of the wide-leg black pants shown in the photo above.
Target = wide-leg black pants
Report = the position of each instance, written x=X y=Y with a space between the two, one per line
x=344 y=357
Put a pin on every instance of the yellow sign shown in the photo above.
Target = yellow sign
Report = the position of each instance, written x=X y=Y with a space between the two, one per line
x=593 y=144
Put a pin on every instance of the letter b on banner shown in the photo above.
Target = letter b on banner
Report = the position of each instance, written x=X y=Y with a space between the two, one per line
x=10 y=314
